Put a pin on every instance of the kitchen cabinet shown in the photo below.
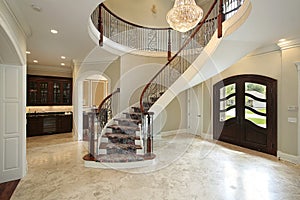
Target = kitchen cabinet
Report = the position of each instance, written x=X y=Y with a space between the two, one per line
x=48 y=123
x=46 y=90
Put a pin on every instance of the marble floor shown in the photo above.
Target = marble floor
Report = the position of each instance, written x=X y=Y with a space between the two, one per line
x=186 y=168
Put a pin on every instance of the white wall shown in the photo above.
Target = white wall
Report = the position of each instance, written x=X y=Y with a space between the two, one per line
x=136 y=72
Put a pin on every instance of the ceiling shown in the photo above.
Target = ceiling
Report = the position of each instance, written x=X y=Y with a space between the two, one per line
x=71 y=19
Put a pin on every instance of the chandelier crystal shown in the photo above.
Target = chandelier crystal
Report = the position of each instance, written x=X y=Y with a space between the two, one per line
x=184 y=15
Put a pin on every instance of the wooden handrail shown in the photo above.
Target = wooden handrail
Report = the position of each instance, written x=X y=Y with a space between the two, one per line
x=187 y=41
x=221 y=18
x=106 y=98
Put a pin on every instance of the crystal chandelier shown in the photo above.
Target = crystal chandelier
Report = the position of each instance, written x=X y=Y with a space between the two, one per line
x=184 y=15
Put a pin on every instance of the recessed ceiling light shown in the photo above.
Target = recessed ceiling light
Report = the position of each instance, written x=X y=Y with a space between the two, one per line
x=63 y=57
x=54 y=31
x=282 y=40
x=62 y=64
x=28 y=52
x=36 y=8
x=35 y=61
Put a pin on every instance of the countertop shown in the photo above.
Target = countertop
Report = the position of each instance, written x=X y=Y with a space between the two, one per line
x=48 y=114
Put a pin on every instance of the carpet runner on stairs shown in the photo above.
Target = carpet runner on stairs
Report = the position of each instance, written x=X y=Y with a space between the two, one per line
x=122 y=141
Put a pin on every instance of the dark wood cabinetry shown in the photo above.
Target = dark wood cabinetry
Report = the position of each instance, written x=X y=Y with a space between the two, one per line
x=46 y=90
x=48 y=123
x=64 y=123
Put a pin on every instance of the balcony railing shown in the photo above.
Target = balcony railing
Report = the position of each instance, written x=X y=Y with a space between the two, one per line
x=187 y=46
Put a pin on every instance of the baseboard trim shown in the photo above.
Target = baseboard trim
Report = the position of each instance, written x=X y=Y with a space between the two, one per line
x=288 y=157
x=173 y=132
x=206 y=136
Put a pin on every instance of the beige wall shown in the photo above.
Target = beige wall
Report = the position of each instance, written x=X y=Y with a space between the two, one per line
x=206 y=123
x=176 y=113
x=113 y=72
x=136 y=71
x=203 y=94
x=99 y=89
x=280 y=65
x=94 y=91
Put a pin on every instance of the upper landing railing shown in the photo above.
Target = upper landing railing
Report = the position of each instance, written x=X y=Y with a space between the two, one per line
x=144 y=38
x=187 y=45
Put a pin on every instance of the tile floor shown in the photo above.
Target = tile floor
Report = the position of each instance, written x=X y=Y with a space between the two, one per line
x=186 y=168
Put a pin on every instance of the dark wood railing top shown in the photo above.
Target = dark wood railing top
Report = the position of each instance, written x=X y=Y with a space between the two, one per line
x=106 y=98
x=188 y=40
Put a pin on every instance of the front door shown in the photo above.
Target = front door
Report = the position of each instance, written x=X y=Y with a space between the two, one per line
x=245 y=112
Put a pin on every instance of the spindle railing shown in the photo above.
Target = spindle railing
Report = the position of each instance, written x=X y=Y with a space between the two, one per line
x=105 y=109
x=188 y=52
x=178 y=64
x=98 y=118
x=187 y=45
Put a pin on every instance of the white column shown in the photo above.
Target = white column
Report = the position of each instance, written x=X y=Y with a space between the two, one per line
x=298 y=70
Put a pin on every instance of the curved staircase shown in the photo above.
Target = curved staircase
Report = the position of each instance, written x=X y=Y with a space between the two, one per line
x=128 y=137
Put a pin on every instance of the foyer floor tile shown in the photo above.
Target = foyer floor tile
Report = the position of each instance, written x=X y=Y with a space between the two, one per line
x=186 y=168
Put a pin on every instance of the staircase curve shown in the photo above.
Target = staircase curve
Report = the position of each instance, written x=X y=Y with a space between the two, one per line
x=220 y=53
x=255 y=24
x=129 y=139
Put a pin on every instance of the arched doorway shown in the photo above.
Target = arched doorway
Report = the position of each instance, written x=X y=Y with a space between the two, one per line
x=81 y=103
x=245 y=112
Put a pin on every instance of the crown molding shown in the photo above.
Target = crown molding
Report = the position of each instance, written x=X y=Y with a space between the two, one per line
x=289 y=43
x=18 y=17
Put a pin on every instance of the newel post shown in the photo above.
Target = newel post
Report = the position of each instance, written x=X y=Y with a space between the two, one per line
x=147 y=128
x=169 y=45
x=92 y=131
x=100 y=25
x=221 y=18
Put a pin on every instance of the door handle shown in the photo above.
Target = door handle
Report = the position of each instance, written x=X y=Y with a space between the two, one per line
x=198 y=115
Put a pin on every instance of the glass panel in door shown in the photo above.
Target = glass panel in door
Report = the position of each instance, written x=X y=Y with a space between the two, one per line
x=227 y=102
x=256 y=104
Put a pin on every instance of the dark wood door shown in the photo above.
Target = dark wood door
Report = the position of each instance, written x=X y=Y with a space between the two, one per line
x=245 y=112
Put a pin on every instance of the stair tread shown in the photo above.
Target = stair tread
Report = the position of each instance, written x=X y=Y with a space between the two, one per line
x=128 y=119
x=124 y=128
x=133 y=113
x=119 y=146
x=121 y=136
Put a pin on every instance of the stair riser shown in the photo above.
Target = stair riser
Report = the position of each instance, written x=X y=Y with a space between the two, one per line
x=121 y=140
x=129 y=132
x=120 y=151
x=133 y=116
x=125 y=123
x=136 y=109
x=140 y=152
x=104 y=140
